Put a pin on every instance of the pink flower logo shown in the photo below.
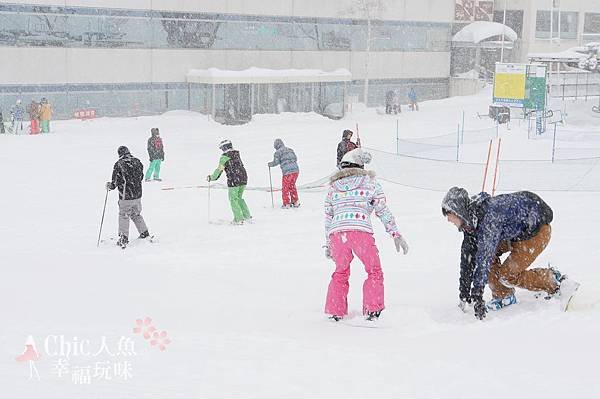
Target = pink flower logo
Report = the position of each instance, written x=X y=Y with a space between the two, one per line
x=144 y=327
x=160 y=339
x=149 y=332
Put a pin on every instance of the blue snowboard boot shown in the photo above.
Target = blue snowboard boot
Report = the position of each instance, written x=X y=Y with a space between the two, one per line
x=499 y=303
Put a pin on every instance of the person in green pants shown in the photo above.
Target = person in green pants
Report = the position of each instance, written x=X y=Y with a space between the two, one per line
x=156 y=153
x=237 y=178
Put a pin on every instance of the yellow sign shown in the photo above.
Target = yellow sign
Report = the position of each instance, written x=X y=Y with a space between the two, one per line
x=509 y=84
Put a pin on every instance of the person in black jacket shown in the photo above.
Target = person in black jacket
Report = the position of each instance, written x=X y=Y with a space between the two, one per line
x=237 y=178
x=346 y=145
x=127 y=176
x=156 y=153
x=516 y=223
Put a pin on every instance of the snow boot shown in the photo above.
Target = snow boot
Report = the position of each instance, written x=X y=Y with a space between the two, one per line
x=123 y=241
x=334 y=317
x=372 y=316
x=499 y=303
x=145 y=234
x=296 y=204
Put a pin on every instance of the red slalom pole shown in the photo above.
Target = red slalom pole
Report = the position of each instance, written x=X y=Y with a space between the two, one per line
x=497 y=162
x=486 y=166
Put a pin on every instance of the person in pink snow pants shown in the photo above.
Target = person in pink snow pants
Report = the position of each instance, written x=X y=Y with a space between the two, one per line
x=354 y=194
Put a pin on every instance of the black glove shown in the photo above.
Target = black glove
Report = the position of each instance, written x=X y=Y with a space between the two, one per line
x=208 y=179
x=109 y=185
x=478 y=303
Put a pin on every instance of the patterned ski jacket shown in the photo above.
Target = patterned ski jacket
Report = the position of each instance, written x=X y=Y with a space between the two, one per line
x=284 y=157
x=353 y=195
x=155 y=148
x=507 y=217
x=232 y=164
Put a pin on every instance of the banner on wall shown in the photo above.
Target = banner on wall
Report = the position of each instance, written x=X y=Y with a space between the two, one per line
x=473 y=10
x=509 y=84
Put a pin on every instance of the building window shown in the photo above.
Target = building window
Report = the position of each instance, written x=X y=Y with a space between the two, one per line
x=549 y=23
x=591 y=27
x=32 y=26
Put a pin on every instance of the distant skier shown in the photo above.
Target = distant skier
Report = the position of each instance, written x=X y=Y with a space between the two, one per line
x=33 y=109
x=346 y=145
x=231 y=163
x=353 y=195
x=17 y=117
x=45 y=115
x=127 y=176
x=156 y=153
x=286 y=158
x=518 y=223
x=412 y=97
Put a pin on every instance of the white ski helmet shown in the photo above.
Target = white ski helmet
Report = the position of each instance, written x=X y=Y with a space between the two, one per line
x=225 y=145
x=356 y=158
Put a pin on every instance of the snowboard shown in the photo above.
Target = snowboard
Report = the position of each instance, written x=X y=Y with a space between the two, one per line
x=356 y=319
x=568 y=289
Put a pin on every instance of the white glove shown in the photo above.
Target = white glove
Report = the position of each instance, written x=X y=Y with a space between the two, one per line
x=400 y=242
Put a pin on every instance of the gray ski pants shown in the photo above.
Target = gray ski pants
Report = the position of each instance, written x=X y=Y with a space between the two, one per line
x=131 y=209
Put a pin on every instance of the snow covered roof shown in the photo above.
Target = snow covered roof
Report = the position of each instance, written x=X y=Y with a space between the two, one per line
x=262 y=75
x=478 y=31
x=561 y=56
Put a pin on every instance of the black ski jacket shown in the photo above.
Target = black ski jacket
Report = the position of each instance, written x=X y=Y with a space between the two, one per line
x=127 y=176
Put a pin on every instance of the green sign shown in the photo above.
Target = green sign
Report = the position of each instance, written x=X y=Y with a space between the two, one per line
x=535 y=87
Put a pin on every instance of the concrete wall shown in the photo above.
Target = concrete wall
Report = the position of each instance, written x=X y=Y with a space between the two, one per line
x=77 y=65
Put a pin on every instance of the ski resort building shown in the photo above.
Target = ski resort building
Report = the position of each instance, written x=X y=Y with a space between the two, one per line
x=133 y=57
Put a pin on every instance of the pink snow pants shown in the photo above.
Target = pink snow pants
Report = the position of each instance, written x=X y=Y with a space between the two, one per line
x=362 y=244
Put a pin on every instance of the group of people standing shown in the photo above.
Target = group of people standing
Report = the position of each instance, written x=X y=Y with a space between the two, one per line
x=516 y=223
x=40 y=114
x=392 y=101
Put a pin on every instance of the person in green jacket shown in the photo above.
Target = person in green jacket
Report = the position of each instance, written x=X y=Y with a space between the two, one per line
x=237 y=178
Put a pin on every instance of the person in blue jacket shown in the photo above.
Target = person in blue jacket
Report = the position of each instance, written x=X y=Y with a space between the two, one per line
x=517 y=223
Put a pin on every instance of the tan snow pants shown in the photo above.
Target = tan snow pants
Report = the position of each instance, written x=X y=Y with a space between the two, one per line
x=514 y=272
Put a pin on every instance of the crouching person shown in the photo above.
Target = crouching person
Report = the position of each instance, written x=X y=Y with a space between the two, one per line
x=353 y=195
x=516 y=223
x=127 y=176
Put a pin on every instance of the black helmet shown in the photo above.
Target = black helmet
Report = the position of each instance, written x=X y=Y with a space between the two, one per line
x=346 y=134
x=123 y=151
x=225 y=145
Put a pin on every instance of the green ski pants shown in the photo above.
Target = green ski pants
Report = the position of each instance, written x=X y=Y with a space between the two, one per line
x=238 y=205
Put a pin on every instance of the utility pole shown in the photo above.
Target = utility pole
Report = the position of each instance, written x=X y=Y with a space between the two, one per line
x=503 y=31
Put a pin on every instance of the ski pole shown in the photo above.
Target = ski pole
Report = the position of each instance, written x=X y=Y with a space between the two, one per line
x=102 y=220
x=208 y=203
x=271 y=185
x=487 y=163
x=496 y=170
x=357 y=136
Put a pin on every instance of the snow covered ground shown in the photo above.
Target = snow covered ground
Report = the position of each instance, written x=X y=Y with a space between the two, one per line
x=243 y=306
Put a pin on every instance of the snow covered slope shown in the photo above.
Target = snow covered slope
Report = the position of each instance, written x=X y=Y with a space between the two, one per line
x=242 y=306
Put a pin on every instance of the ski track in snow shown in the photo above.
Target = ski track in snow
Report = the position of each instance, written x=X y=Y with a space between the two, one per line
x=243 y=304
